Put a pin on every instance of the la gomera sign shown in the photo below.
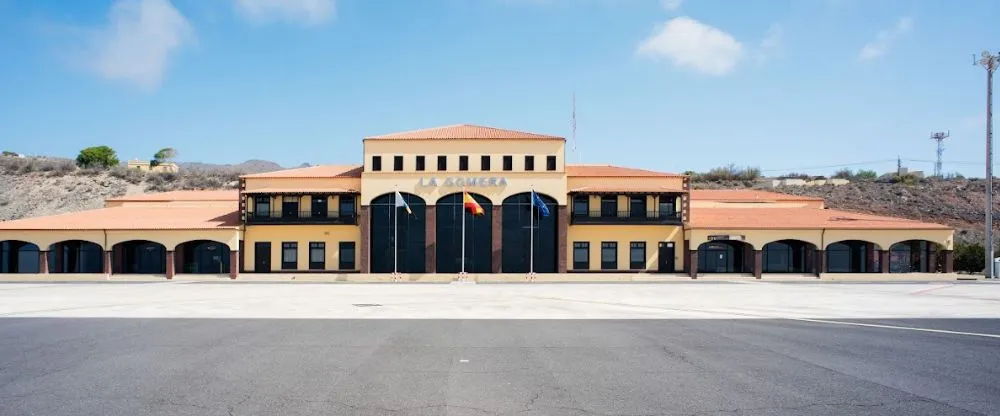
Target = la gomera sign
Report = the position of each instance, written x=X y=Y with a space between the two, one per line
x=458 y=182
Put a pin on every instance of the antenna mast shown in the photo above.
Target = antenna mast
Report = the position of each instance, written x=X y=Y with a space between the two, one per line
x=576 y=154
x=939 y=138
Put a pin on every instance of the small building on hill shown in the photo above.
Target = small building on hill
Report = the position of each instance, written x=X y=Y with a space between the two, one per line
x=146 y=166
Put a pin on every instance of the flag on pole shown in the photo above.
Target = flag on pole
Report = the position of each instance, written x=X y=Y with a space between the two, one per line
x=401 y=203
x=471 y=205
x=536 y=201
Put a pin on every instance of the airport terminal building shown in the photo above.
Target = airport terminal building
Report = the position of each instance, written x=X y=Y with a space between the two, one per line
x=349 y=219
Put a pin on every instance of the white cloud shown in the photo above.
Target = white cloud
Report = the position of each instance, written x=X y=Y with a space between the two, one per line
x=885 y=39
x=308 y=12
x=138 y=42
x=770 y=46
x=671 y=4
x=691 y=44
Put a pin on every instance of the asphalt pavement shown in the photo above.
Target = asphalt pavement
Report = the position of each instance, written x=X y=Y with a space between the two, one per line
x=169 y=366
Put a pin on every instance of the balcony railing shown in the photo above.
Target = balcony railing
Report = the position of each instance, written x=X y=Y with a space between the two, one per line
x=626 y=217
x=301 y=217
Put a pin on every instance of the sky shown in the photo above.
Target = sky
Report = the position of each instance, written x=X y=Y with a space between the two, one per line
x=669 y=85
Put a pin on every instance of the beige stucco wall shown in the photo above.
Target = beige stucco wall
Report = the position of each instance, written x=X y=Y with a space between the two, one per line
x=652 y=235
x=169 y=238
x=822 y=238
x=332 y=235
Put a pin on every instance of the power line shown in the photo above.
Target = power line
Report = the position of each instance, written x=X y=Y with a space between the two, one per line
x=841 y=165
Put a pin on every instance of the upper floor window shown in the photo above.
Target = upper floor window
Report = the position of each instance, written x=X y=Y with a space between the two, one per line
x=581 y=205
x=262 y=206
x=609 y=206
x=346 y=206
x=508 y=163
x=397 y=163
x=484 y=163
x=463 y=163
x=376 y=163
x=550 y=163
x=421 y=163
x=442 y=163
x=637 y=206
x=529 y=163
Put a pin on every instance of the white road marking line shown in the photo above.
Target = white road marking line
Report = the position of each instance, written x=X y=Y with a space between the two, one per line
x=939 y=331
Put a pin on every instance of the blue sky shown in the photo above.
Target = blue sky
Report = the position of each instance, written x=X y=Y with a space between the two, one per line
x=662 y=84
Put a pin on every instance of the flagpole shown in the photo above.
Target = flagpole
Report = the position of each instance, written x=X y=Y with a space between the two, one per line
x=395 y=235
x=531 y=267
x=463 y=229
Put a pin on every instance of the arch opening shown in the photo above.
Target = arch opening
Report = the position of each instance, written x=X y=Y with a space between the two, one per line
x=202 y=257
x=913 y=256
x=853 y=256
x=76 y=256
x=19 y=257
x=725 y=256
x=788 y=256
x=450 y=214
x=139 y=257
x=410 y=232
x=517 y=219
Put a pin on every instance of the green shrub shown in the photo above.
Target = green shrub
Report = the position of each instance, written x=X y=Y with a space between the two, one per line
x=866 y=175
x=843 y=174
x=97 y=157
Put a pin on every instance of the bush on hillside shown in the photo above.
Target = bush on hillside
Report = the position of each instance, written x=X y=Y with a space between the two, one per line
x=132 y=176
x=97 y=157
x=969 y=258
x=866 y=175
x=843 y=174
x=730 y=173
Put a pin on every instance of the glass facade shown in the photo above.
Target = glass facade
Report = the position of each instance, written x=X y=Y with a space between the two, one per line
x=478 y=235
x=517 y=219
x=410 y=232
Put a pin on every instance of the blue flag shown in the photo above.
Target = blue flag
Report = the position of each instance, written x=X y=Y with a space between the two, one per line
x=536 y=201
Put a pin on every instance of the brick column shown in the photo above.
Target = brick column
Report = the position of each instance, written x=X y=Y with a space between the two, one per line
x=820 y=263
x=170 y=264
x=496 y=256
x=234 y=263
x=686 y=267
x=242 y=268
x=693 y=263
x=949 y=261
x=562 y=224
x=884 y=260
x=179 y=259
x=107 y=262
x=43 y=262
x=430 y=238
x=119 y=259
x=758 y=263
x=365 y=224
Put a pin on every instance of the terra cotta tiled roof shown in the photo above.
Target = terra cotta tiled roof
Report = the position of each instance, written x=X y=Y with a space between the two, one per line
x=133 y=218
x=624 y=188
x=306 y=190
x=614 y=172
x=798 y=218
x=213 y=195
x=323 y=171
x=463 y=131
x=746 y=195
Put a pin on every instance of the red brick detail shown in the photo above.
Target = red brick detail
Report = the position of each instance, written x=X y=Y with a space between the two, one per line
x=430 y=239
x=43 y=262
x=820 y=262
x=179 y=258
x=107 y=262
x=949 y=261
x=170 y=264
x=234 y=261
x=884 y=263
x=496 y=259
x=365 y=224
x=242 y=267
x=686 y=267
x=562 y=225
x=758 y=263
x=119 y=258
x=693 y=263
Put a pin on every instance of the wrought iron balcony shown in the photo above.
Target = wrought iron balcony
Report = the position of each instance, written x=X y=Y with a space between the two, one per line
x=301 y=217
x=626 y=217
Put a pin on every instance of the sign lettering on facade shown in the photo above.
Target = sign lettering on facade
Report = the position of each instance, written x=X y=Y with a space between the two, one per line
x=457 y=182
x=726 y=237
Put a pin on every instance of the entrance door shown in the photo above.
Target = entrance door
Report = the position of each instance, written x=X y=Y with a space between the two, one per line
x=262 y=257
x=666 y=258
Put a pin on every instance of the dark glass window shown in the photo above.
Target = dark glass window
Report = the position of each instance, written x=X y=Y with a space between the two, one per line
x=262 y=206
x=550 y=163
x=609 y=255
x=317 y=256
x=508 y=163
x=581 y=255
x=666 y=207
x=376 y=163
x=347 y=255
x=397 y=163
x=484 y=163
x=637 y=206
x=289 y=207
x=289 y=255
x=529 y=163
x=346 y=205
x=609 y=206
x=442 y=163
x=463 y=163
x=420 y=163
x=637 y=255
x=581 y=205
x=319 y=206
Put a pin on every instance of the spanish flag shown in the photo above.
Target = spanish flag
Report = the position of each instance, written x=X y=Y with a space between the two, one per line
x=471 y=205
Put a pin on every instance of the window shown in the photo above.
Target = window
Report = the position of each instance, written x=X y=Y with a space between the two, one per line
x=581 y=205
x=347 y=255
x=262 y=206
x=550 y=163
x=529 y=163
x=463 y=163
x=637 y=206
x=346 y=205
x=319 y=207
x=609 y=255
x=317 y=256
x=666 y=207
x=609 y=206
x=508 y=163
x=442 y=163
x=289 y=256
x=420 y=163
x=637 y=255
x=397 y=163
x=376 y=163
x=289 y=207
x=581 y=255
x=484 y=163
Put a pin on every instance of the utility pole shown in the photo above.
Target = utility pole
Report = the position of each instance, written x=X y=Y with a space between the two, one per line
x=939 y=137
x=899 y=166
x=989 y=61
